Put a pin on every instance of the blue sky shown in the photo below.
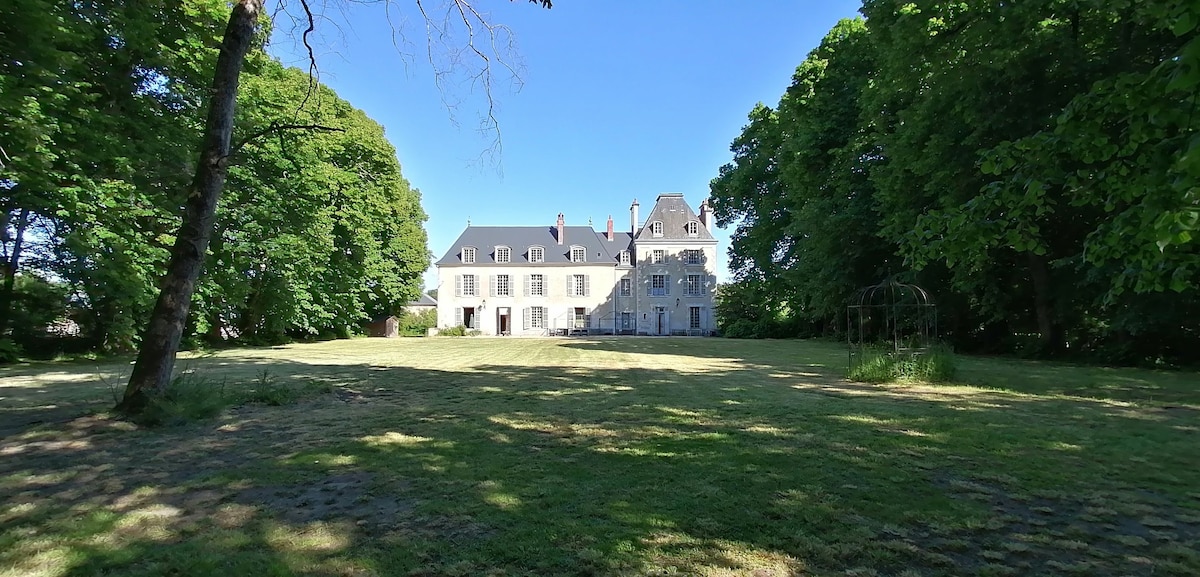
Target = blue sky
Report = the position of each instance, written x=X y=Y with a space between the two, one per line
x=620 y=100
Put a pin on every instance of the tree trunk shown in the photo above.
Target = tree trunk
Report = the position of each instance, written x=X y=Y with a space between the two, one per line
x=156 y=357
x=10 y=271
x=1047 y=327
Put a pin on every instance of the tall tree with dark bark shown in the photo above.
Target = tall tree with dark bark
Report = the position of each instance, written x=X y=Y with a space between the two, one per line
x=160 y=342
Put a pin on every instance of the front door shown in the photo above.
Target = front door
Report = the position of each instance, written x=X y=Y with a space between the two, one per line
x=468 y=317
x=663 y=324
x=502 y=320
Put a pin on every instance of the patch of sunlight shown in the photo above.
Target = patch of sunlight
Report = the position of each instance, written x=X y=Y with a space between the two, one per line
x=673 y=552
x=49 y=560
x=500 y=438
x=70 y=445
x=434 y=468
x=635 y=451
x=503 y=501
x=318 y=536
x=394 y=438
x=768 y=430
x=489 y=389
x=730 y=402
x=1061 y=446
x=27 y=480
x=233 y=515
x=136 y=498
x=865 y=419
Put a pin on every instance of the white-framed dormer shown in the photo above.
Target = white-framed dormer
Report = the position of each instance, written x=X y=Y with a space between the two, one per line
x=468 y=255
x=536 y=254
x=692 y=228
x=623 y=258
x=656 y=228
x=503 y=254
x=578 y=253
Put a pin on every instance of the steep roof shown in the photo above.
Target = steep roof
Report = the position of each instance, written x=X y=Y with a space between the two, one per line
x=485 y=239
x=424 y=301
x=673 y=211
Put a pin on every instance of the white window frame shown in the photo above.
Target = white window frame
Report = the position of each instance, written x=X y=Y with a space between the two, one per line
x=659 y=291
x=578 y=285
x=537 y=285
x=692 y=227
x=623 y=258
x=474 y=289
x=578 y=251
x=537 y=317
x=468 y=255
x=502 y=286
x=537 y=254
x=625 y=287
x=658 y=256
x=697 y=288
x=503 y=254
x=656 y=228
x=695 y=316
x=693 y=256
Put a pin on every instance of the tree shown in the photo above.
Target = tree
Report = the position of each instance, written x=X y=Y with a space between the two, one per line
x=156 y=356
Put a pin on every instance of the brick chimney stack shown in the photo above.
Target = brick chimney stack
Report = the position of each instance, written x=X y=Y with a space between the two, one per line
x=633 y=217
x=706 y=215
x=610 y=229
x=562 y=225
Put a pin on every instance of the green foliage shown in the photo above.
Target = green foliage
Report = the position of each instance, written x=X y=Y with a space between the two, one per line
x=267 y=389
x=1035 y=166
x=10 y=352
x=458 y=331
x=880 y=365
x=417 y=324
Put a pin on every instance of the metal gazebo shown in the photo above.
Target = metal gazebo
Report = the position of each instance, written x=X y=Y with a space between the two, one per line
x=892 y=317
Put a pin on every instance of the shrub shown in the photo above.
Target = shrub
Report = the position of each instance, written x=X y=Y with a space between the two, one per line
x=458 y=331
x=417 y=324
x=884 y=366
x=268 y=390
x=10 y=352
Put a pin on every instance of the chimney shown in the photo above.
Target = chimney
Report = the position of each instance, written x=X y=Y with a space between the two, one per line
x=633 y=217
x=610 y=230
x=706 y=215
x=561 y=227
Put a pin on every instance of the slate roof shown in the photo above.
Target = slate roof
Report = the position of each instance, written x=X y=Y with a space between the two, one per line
x=485 y=239
x=674 y=212
x=424 y=301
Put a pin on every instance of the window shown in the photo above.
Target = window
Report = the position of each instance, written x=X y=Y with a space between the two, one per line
x=693 y=256
x=692 y=228
x=503 y=254
x=625 y=287
x=658 y=256
x=535 y=318
x=626 y=321
x=656 y=228
x=535 y=285
x=578 y=285
x=694 y=317
x=659 y=286
x=578 y=254
x=537 y=254
x=501 y=287
x=468 y=254
x=623 y=258
x=695 y=285
x=464 y=285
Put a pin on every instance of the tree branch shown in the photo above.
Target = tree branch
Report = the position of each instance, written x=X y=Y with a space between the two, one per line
x=276 y=127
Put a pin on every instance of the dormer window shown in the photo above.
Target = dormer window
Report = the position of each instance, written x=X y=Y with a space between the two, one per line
x=537 y=254
x=623 y=257
x=693 y=228
x=503 y=254
x=578 y=254
x=468 y=255
x=656 y=228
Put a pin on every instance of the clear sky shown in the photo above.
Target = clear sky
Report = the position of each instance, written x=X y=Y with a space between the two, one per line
x=620 y=100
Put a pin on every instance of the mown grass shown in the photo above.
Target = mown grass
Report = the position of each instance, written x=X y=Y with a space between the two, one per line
x=607 y=457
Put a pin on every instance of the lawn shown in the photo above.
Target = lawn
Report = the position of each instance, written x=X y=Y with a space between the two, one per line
x=632 y=456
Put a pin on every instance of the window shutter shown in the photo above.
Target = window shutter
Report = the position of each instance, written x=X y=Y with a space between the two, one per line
x=492 y=283
x=570 y=288
x=527 y=293
x=587 y=316
x=458 y=287
x=458 y=315
x=650 y=286
x=525 y=317
x=587 y=286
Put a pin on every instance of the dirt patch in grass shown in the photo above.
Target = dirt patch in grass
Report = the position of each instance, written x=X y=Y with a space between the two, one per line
x=345 y=496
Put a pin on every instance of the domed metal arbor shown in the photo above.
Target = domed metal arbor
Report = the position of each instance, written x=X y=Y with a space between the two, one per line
x=890 y=317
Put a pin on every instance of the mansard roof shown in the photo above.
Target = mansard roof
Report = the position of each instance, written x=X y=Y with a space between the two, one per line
x=673 y=211
x=598 y=249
